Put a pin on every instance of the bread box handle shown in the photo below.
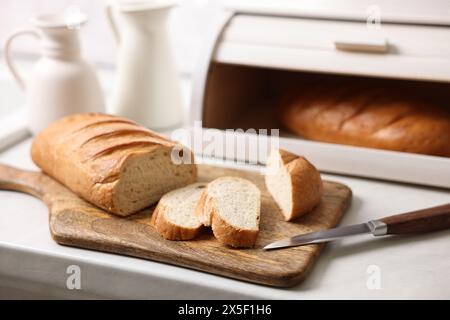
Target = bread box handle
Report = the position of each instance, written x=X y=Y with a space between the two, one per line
x=367 y=45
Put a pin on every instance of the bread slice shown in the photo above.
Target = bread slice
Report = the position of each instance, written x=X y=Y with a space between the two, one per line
x=111 y=162
x=174 y=217
x=231 y=206
x=293 y=182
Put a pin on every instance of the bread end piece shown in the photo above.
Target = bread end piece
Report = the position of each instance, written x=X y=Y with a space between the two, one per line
x=294 y=183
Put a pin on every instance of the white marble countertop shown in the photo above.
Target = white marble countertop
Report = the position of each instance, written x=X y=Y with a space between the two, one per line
x=32 y=264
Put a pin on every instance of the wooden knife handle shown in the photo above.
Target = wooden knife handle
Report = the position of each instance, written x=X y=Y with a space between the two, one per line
x=421 y=221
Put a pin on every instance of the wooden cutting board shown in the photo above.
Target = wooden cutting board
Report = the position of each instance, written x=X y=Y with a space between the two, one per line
x=74 y=222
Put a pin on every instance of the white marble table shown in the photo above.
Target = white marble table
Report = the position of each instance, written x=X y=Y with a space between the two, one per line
x=33 y=265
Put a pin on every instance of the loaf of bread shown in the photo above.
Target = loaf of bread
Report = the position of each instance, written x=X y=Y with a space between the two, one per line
x=111 y=162
x=293 y=182
x=231 y=206
x=174 y=217
x=369 y=116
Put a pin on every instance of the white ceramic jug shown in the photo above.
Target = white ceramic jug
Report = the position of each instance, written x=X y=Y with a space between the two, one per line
x=147 y=88
x=61 y=82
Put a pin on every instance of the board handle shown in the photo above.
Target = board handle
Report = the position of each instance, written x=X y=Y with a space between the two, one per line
x=421 y=221
x=22 y=180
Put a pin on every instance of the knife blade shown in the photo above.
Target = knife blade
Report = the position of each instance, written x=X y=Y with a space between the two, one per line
x=324 y=235
x=420 y=221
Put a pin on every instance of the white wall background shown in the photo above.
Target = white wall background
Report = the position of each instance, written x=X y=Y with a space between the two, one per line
x=189 y=25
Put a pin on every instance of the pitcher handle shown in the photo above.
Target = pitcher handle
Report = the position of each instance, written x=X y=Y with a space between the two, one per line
x=7 y=50
x=112 y=22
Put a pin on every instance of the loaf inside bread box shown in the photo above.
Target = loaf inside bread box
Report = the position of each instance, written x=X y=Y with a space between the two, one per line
x=392 y=114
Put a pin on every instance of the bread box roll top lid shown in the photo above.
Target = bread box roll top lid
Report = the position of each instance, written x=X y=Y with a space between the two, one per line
x=354 y=37
x=432 y=12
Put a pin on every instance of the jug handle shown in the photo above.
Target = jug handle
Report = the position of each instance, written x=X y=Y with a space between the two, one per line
x=7 y=50
x=112 y=22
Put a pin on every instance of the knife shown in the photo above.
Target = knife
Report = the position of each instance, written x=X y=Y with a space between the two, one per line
x=415 y=222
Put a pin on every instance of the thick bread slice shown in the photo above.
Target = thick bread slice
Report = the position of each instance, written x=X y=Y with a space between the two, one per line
x=231 y=206
x=111 y=162
x=174 y=217
x=293 y=182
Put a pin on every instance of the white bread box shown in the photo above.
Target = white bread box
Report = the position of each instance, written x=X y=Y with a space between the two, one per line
x=259 y=49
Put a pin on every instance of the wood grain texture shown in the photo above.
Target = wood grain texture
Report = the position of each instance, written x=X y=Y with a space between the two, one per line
x=420 y=221
x=74 y=222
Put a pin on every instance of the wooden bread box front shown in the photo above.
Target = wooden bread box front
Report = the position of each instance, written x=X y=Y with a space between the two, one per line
x=253 y=60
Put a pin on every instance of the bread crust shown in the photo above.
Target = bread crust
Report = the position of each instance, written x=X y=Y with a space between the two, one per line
x=169 y=230
x=232 y=236
x=89 y=153
x=204 y=209
x=375 y=117
x=306 y=184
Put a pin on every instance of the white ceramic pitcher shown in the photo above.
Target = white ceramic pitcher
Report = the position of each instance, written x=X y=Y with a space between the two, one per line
x=61 y=82
x=147 y=88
